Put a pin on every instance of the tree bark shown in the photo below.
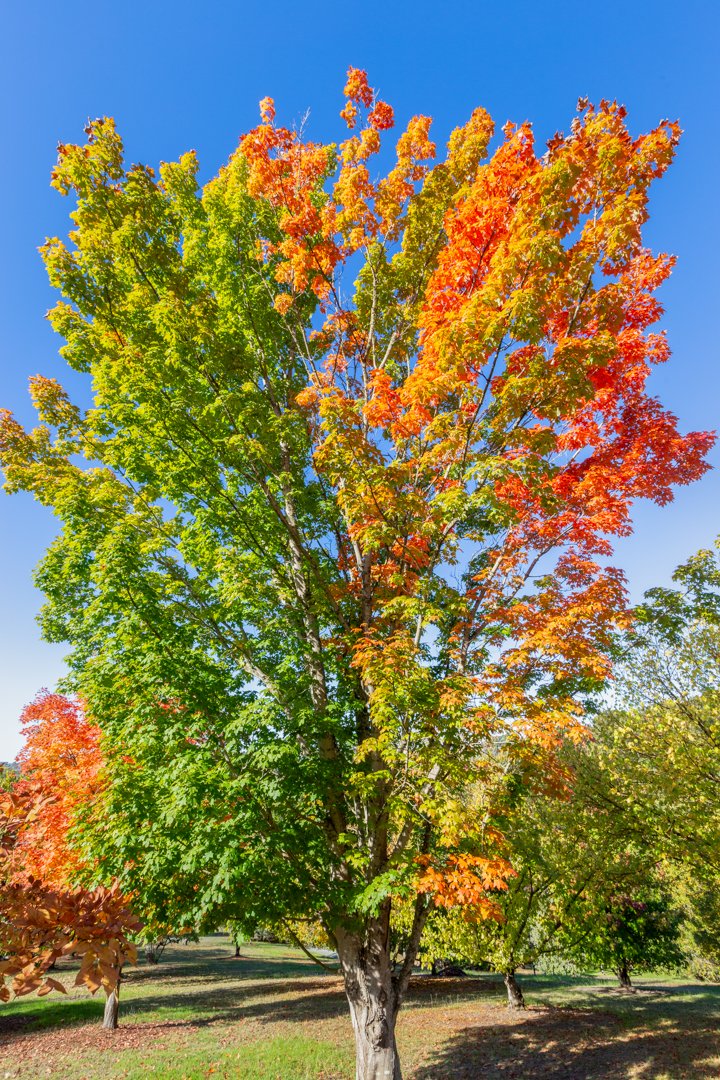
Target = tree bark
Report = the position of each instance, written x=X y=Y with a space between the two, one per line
x=514 y=991
x=624 y=976
x=374 y=998
x=373 y=1010
x=112 y=1009
x=376 y=1056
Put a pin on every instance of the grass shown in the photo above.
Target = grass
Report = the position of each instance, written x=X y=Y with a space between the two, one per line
x=273 y=1015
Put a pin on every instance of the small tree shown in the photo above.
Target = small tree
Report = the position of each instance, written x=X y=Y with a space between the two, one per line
x=238 y=934
x=39 y=923
x=563 y=848
x=47 y=911
x=630 y=932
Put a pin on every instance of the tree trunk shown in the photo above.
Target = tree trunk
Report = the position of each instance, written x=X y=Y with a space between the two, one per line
x=624 y=976
x=514 y=992
x=374 y=999
x=112 y=1009
x=374 y=990
x=376 y=1056
x=237 y=952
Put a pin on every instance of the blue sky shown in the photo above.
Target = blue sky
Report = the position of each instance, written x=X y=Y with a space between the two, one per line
x=177 y=76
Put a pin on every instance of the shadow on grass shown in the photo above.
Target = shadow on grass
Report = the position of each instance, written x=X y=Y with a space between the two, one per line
x=310 y=999
x=205 y=998
x=651 y=1002
x=566 y=1044
x=222 y=969
x=263 y=1002
x=203 y=982
x=58 y=1013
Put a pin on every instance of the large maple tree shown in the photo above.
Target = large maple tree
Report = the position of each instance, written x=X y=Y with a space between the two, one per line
x=357 y=454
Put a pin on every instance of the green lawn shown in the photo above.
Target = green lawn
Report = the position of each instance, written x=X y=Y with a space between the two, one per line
x=273 y=1015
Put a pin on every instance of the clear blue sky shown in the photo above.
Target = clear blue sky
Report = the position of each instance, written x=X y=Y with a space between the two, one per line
x=177 y=75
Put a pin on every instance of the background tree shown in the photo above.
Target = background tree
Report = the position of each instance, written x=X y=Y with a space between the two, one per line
x=628 y=930
x=313 y=514
x=40 y=923
x=238 y=935
x=47 y=911
x=566 y=847
x=699 y=901
x=661 y=746
x=8 y=776
x=59 y=771
x=657 y=754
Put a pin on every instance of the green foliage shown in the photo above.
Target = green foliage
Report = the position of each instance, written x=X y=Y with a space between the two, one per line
x=700 y=933
x=629 y=932
x=549 y=843
x=660 y=748
x=298 y=568
x=570 y=852
x=8 y=776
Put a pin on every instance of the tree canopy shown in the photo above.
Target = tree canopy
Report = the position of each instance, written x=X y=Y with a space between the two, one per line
x=340 y=511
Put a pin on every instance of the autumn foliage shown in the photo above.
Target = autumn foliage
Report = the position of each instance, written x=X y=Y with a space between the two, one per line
x=44 y=914
x=60 y=765
x=359 y=451
x=492 y=369
x=488 y=383
x=40 y=924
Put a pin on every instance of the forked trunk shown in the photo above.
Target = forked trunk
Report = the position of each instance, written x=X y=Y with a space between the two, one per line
x=514 y=992
x=624 y=976
x=112 y=1009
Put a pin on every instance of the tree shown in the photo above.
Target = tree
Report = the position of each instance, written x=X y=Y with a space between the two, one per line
x=661 y=744
x=8 y=776
x=59 y=767
x=658 y=752
x=47 y=911
x=699 y=901
x=40 y=923
x=626 y=931
x=565 y=847
x=313 y=516
x=238 y=935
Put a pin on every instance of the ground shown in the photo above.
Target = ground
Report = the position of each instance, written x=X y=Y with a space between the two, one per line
x=273 y=1015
